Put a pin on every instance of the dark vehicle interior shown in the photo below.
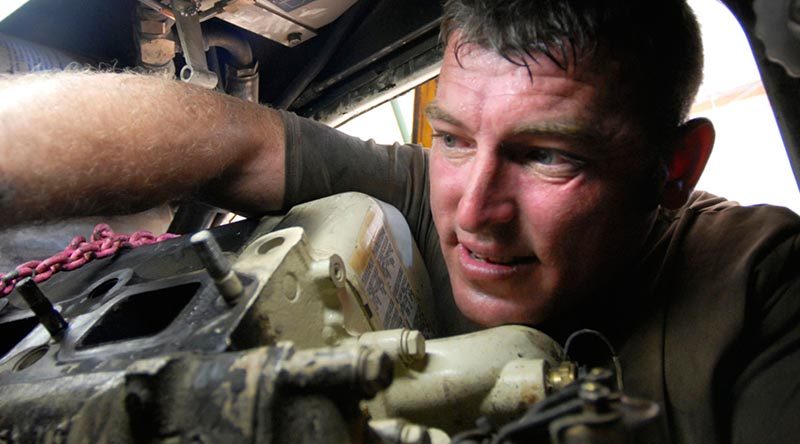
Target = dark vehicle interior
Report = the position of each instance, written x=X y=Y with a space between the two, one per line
x=373 y=48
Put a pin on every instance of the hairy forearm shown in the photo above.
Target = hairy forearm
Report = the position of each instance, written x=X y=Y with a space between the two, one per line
x=89 y=143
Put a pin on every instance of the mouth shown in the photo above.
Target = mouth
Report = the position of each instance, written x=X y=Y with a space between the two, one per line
x=497 y=260
x=500 y=260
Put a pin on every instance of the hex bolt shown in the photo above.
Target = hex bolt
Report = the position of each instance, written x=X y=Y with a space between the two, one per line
x=294 y=38
x=414 y=434
x=412 y=346
x=185 y=8
x=599 y=374
x=561 y=376
x=42 y=308
x=596 y=396
x=218 y=267
x=400 y=431
x=402 y=343
x=375 y=370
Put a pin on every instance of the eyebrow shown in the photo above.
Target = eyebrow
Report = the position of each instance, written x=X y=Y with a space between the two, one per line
x=569 y=130
x=434 y=111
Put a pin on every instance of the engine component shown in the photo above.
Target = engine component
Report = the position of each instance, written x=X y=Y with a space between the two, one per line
x=382 y=262
x=288 y=22
x=153 y=346
x=209 y=252
x=241 y=73
x=156 y=48
x=585 y=412
x=398 y=431
x=497 y=373
x=187 y=22
x=51 y=320
x=188 y=397
x=261 y=331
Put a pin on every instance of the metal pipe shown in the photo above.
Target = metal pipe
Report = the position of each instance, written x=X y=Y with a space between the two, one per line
x=241 y=74
x=401 y=121
x=235 y=45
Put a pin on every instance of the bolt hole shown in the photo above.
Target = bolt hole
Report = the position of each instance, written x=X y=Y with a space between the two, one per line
x=186 y=73
x=102 y=289
x=270 y=244
x=31 y=358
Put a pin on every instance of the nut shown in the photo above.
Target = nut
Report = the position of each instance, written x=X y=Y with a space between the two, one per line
x=594 y=392
x=414 y=434
x=412 y=346
x=294 y=38
x=561 y=376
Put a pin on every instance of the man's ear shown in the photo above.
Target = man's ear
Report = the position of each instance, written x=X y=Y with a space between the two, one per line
x=690 y=154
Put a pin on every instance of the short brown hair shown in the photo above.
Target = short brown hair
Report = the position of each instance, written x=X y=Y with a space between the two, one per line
x=658 y=44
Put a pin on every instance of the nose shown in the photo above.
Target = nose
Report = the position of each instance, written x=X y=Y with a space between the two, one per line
x=488 y=198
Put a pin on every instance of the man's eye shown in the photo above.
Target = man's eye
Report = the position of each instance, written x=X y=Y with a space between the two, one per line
x=448 y=140
x=552 y=162
x=545 y=157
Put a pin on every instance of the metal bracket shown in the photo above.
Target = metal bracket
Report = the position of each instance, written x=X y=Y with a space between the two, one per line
x=190 y=34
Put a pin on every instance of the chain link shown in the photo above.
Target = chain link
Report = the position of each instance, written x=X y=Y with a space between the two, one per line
x=103 y=243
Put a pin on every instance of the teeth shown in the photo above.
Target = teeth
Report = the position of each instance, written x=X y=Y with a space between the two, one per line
x=492 y=260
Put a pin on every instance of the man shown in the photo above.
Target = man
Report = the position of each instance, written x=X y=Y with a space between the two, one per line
x=559 y=175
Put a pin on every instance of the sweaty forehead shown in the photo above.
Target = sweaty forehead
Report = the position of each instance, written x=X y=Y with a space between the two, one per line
x=475 y=63
x=479 y=76
x=481 y=90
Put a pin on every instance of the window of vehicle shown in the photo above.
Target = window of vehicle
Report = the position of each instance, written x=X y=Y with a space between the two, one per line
x=749 y=163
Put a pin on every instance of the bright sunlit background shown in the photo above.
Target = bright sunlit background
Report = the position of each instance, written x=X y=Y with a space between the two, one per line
x=749 y=163
x=9 y=6
x=380 y=123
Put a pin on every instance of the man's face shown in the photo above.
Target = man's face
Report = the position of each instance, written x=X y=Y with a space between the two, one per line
x=536 y=186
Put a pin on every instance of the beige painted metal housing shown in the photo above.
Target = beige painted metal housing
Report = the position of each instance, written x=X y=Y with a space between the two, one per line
x=281 y=21
x=497 y=372
x=331 y=273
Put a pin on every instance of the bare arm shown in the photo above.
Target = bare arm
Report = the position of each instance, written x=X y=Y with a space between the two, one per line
x=88 y=143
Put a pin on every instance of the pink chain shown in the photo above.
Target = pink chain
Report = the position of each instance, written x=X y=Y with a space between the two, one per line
x=104 y=242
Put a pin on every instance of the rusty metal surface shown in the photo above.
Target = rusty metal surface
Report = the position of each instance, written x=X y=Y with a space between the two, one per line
x=153 y=352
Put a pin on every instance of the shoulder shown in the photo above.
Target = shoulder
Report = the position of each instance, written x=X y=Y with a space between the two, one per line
x=711 y=225
x=727 y=276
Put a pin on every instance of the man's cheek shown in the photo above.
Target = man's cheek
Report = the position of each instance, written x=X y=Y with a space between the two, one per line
x=445 y=187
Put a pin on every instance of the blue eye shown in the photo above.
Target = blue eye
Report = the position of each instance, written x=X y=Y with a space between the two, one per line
x=545 y=157
x=449 y=140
